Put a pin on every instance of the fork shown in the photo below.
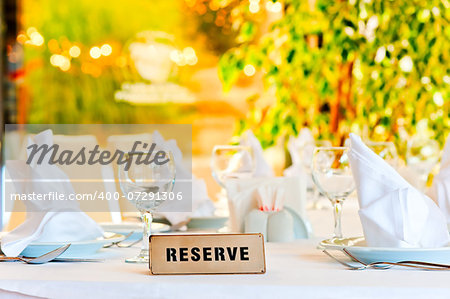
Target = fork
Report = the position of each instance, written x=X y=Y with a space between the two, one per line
x=388 y=265
x=405 y=263
x=118 y=243
x=49 y=256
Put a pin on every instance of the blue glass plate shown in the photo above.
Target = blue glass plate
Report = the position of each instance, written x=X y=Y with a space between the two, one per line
x=357 y=247
x=79 y=249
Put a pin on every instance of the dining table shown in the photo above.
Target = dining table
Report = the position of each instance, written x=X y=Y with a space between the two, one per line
x=297 y=269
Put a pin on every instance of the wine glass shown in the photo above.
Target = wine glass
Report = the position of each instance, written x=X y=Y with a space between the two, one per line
x=422 y=155
x=385 y=150
x=147 y=186
x=332 y=175
x=231 y=161
x=305 y=154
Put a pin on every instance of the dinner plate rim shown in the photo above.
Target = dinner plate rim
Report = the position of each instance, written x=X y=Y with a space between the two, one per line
x=136 y=227
x=86 y=242
x=383 y=249
x=124 y=225
x=210 y=217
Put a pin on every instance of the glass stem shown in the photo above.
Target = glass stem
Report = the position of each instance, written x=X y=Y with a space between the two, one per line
x=337 y=210
x=147 y=219
x=316 y=198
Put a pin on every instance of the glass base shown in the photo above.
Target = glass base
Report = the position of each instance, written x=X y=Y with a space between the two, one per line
x=141 y=258
x=336 y=240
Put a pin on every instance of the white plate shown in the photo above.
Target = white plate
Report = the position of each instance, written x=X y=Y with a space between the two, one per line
x=77 y=249
x=125 y=228
x=211 y=222
x=357 y=247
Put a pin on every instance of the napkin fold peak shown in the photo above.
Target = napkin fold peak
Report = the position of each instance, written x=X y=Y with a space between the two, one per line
x=262 y=168
x=392 y=212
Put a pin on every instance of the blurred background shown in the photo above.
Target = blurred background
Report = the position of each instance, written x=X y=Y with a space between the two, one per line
x=377 y=68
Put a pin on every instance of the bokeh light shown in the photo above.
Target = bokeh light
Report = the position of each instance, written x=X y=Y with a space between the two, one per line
x=254 y=6
x=95 y=52
x=406 y=64
x=106 y=50
x=75 y=51
x=249 y=70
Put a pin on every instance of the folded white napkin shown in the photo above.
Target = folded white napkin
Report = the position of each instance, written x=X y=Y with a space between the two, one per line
x=440 y=190
x=245 y=195
x=392 y=212
x=47 y=221
x=201 y=203
x=305 y=141
x=262 y=168
x=304 y=137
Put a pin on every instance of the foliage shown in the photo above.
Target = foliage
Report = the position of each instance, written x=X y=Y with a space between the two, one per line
x=372 y=67
x=212 y=20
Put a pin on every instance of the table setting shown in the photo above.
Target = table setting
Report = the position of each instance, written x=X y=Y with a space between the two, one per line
x=399 y=222
x=225 y=149
x=383 y=227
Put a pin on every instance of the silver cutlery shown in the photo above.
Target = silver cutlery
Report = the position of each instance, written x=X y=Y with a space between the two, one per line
x=178 y=226
x=426 y=265
x=119 y=243
x=388 y=265
x=76 y=260
x=49 y=256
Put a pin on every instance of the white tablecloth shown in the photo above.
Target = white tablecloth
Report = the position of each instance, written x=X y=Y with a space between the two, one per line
x=294 y=270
